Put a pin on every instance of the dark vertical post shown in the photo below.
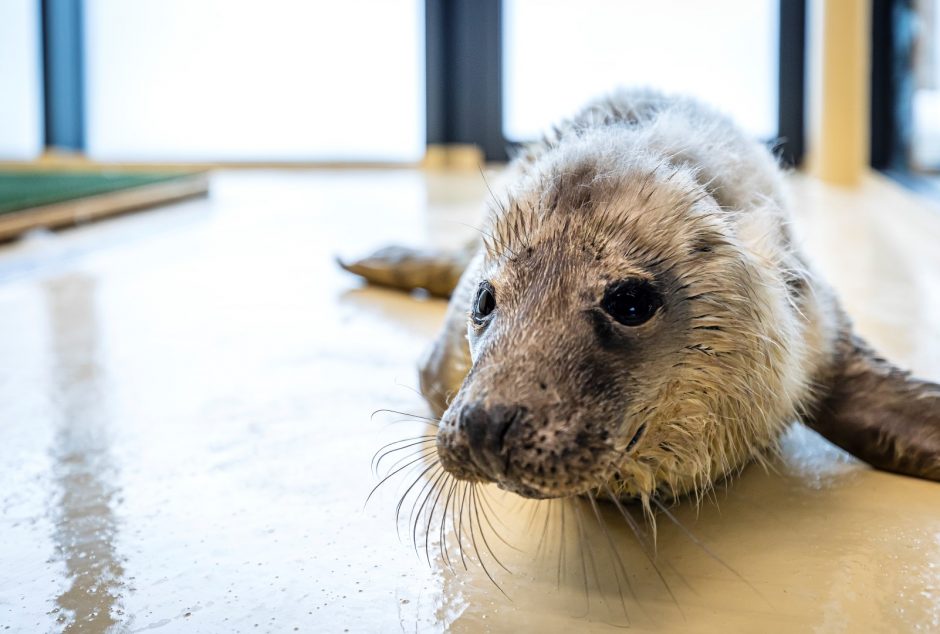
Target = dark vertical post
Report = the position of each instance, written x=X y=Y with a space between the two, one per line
x=435 y=69
x=892 y=32
x=792 y=80
x=63 y=73
x=464 y=74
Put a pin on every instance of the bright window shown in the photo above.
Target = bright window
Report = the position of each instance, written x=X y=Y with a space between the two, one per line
x=559 y=54
x=274 y=80
x=925 y=132
x=21 y=128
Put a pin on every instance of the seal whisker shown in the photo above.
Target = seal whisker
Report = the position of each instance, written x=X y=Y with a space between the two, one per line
x=382 y=454
x=542 y=538
x=499 y=204
x=409 y=388
x=650 y=519
x=426 y=452
x=648 y=547
x=401 y=421
x=617 y=558
x=445 y=556
x=582 y=559
x=476 y=509
x=484 y=506
x=415 y=417
x=422 y=499
x=437 y=477
x=492 y=239
x=564 y=547
x=404 y=496
x=427 y=530
x=695 y=540
x=387 y=477
x=460 y=516
x=413 y=452
x=594 y=568
x=535 y=510
x=473 y=541
x=644 y=546
x=375 y=464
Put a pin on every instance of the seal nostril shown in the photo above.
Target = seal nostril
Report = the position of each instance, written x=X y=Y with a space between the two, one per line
x=475 y=421
x=500 y=431
x=503 y=420
x=486 y=431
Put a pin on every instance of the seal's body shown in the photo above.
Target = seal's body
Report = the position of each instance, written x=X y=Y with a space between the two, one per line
x=639 y=318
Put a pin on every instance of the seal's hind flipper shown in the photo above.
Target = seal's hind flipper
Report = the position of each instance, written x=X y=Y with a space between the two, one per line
x=407 y=269
x=881 y=414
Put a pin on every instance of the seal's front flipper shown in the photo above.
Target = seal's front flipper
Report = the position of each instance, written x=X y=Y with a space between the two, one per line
x=407 y=269
x=881 y=414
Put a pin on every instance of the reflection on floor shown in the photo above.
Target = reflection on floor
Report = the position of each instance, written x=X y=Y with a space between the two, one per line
x=85 y=481
x=185 y=401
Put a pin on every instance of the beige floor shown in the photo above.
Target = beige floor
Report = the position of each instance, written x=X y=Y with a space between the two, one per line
x=185 y=437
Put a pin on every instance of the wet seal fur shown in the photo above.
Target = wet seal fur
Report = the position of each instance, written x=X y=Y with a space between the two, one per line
x=550 y=396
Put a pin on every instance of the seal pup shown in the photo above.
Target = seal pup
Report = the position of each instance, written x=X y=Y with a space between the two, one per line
x=637 y=319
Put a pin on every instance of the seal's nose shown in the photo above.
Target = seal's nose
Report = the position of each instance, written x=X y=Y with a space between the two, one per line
x=486 y=430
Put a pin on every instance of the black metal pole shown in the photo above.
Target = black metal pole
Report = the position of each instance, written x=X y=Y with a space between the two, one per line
x=464 y=74
x=63 y=74
x=792 y=81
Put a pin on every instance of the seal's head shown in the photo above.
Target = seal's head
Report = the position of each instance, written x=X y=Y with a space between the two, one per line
x=624 y=331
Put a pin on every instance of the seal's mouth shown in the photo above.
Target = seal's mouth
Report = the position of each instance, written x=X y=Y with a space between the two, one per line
x=527 y=491
x=540 y=480
x=536 y=493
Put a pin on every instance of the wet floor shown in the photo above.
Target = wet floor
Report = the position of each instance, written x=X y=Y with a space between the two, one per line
x=186 y=435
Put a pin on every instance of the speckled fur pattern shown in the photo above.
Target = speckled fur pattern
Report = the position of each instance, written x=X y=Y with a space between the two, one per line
x=748 y=340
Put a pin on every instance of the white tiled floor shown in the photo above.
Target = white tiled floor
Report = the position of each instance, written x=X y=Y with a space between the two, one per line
x=185 y=436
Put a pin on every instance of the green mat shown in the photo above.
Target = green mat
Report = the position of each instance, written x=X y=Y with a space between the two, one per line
x=51 y=199
x=24 y=189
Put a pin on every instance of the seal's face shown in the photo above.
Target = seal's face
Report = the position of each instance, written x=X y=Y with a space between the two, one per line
x=612 y=331
x=545 y=417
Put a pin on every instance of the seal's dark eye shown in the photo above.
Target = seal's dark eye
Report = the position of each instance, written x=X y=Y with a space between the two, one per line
x=484 y=304
x=631 y=302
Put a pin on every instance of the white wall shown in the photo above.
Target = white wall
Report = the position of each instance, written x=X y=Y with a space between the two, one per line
x=925 y=142
x=559 y=54
x=248 y=80
x=20 y=80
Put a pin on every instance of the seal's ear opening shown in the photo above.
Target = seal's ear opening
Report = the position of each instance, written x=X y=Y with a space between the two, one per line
x=881 y=414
